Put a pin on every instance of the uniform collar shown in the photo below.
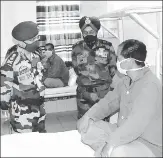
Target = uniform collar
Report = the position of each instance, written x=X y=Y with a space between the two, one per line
x=95 y=45
x=24 y=53
x=22 y=50
x=52 y=57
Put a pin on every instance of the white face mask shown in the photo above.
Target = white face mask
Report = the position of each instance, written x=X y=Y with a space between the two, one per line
x=124 y=71
x=48 y=53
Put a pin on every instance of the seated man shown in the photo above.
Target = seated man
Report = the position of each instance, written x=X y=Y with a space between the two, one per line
x=56 y=73
x=138 y=97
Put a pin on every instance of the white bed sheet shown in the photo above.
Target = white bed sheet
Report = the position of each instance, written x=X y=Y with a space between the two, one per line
x=62 y=144
x=59 y=92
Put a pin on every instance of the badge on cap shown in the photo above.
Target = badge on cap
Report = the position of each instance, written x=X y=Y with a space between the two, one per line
x=87 y=21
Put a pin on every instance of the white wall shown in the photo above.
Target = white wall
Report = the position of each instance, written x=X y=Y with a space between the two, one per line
x=93 y=8
x=114 y=5
x=133 y=30
x=12 y=13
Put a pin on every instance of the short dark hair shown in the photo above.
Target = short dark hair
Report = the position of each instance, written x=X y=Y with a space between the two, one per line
x=50 y=44
x=134 y=49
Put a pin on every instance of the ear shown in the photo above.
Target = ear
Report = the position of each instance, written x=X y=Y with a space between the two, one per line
x=131 y=63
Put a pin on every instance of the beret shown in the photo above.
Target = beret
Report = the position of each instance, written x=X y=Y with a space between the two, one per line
x=25 y=31
x=89 y=21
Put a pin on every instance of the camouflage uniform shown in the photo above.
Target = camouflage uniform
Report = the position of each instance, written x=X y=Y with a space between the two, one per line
x=22 y=91
x=93 y=67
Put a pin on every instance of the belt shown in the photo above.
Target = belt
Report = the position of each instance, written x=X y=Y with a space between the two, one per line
x=97 y=89
x=28 y=102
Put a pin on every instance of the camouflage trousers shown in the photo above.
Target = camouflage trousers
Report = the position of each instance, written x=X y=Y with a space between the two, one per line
x=85 y=103
x=27 y=118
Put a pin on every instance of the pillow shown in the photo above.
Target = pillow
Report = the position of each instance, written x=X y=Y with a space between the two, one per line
x=72 y=77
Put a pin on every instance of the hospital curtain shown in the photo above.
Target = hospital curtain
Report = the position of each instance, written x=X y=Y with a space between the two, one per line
x=58 y=23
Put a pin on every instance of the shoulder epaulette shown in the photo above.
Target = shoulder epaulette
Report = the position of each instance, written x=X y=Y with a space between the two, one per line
x=11 y=50
x=77 y=43
x=105 y=42
x=11 y=55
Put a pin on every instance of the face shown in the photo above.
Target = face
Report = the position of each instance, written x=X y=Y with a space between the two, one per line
x=48 y=51
x=48 y=48
x=127 y=64
x=32 y=44
x=89 y=31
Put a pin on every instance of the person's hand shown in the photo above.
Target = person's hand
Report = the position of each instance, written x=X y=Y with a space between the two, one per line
x=83 y=124
x=112 y=70
x=94 y=97
x=104 y=151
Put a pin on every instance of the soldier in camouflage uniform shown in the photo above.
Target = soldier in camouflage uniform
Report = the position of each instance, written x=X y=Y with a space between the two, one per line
x=94 y=62
x=22 y=91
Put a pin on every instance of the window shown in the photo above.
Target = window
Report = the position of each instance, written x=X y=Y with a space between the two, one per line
x=58 y=23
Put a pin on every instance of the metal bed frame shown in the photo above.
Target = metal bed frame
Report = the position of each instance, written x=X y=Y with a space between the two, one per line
x=134 y=14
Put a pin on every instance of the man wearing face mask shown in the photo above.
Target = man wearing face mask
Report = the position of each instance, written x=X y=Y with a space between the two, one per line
x=22 y=91
x=56 y=73
x=94 y=61
x=138 y=97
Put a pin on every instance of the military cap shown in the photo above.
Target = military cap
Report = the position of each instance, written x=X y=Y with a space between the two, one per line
x=89 y=21
x=25 y=31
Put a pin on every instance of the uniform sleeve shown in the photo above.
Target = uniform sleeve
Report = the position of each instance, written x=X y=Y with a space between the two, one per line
x=74 y=60
x=144 y=110
x=6 y=85
x=106 y=106
x=112 y=56
x=38 y=79
x=112 y=59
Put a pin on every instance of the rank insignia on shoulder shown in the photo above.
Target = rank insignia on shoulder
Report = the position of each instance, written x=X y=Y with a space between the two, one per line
x=11 y=58
x=106 y=42
x=77 y=43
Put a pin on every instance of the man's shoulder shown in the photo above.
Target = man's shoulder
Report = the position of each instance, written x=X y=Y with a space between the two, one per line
x=105 y=42
x=57 y=57
x=11 y=50
x=79 y=43
x=11 y=55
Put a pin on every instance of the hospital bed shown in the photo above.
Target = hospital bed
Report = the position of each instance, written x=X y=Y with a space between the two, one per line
x=62 y=144
x=60 y=99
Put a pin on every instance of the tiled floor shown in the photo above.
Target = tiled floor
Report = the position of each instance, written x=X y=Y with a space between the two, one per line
x=55 y=122
x=59 y=122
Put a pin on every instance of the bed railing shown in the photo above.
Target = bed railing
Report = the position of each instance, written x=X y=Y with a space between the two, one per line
x=134 y=14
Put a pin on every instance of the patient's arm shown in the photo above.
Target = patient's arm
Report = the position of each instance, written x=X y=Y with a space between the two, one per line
x=106 y=106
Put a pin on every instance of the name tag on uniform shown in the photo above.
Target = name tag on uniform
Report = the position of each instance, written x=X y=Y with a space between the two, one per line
x=101 y=52
x=25 y=76
x=28 y=76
